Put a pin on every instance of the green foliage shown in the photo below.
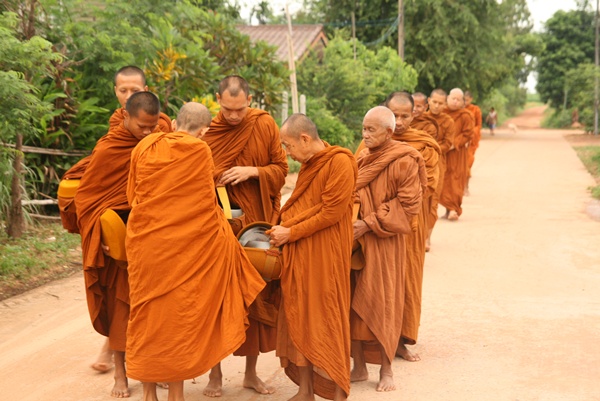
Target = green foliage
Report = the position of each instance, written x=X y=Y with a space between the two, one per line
x=341 y=89
x=557 y=118
x=293 y=165
x=590 y=157
x=579 y=83
x=569 y=41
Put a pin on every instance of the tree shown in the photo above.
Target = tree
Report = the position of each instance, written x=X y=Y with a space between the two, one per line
x=568 y=38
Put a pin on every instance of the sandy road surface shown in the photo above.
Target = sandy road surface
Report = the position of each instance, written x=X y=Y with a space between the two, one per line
x=511 y=300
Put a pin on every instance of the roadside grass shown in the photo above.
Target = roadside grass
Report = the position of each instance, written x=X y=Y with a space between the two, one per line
x=590 y=156
x=45 y=253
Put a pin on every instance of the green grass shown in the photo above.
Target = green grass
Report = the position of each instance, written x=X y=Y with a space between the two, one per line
x=41 y=249
x=294 y=165
x=590 y=156
x=533 y=98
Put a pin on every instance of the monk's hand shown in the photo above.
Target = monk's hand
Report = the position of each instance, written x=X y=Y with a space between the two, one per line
x=360 y=228
x=105 y=248
x=279 y=235
x=238 y=174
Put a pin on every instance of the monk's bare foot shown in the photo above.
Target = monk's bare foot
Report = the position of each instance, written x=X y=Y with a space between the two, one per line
x=453 y=216
x=104 y=363
x=467 y=193
x=162 y=385
x=427 y=245
x=359 y=374
x=386 y=383
x=102 y=367
x=405 y=354
x=254 y=382
x=214 y=388
x=302 y=397
x=120 y=390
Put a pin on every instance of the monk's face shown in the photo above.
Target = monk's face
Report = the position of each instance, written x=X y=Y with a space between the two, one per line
x=234 y=108
x=403 y=111
x=420 y=106
x=141 y=125
x=468 y=100
x=127 y=85
x=437 y=103
x=374 y=131
x=456 y=101
x=295 y=147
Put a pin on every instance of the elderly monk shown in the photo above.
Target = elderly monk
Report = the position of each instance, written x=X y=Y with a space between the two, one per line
x=201 y=276
x=251 y=163
x=103 y=186
x=474 y=144
x=455 y=178
x=315 y=231
x=445 y=138
x=390 y=194
x=421 y=120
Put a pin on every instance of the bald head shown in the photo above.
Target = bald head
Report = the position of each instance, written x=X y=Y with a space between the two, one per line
x=420 y=106
x=131 y=71
x=382 y=116
x=193 y=117
x=143 y=101
x=298 y=124
x=399 y=98
x=439 y=92
x=378 y=127
x=456 y=99
x=437 y=101
x=234 y=84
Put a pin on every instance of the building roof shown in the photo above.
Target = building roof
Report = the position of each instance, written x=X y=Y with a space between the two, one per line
x=304 y=38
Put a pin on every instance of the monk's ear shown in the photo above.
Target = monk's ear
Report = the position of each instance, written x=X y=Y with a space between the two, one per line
x=249 y=100
x=218 y=97
x=146 y=88
x=202 y=132
x=174 y=125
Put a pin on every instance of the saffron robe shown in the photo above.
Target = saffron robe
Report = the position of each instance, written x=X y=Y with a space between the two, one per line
x=254 y=142
x=425 y=123
x=455 y=178
x=474 y=145
x=103 y=186
x=191 y=282
x=390 y=194
x=314 y=317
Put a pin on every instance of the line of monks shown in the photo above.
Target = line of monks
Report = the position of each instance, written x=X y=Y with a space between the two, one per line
x=188 y=296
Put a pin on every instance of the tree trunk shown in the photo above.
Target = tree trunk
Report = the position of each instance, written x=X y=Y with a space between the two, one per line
x=16 y=222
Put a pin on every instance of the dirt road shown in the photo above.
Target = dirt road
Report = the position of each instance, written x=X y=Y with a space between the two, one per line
x=511 y=299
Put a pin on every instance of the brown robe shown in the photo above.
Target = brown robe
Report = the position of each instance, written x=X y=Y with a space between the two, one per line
x=313 y=324
x=254 y=142
x=474 y=145
x=103 y=186
x=415 y=242
x=455 y=178
x=390 y=193
x=445 y=139
x=190 y=288
x=425 y=123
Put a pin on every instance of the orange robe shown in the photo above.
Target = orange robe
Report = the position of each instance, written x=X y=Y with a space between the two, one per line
x=103 y=186
x=314 y=322
x=390 y=194
x=474 y=145
x=254 y=142
x=455 y=178
x=191 y=282
x=415 y=242
x=164 y=122
x=445 y=138
x=425 y=123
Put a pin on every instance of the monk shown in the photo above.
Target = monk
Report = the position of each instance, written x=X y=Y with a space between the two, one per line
x=315 y=231
x=474 y=144
x=444 y=138
x=455 y=178
x=421 y=120
x=201 y=275
x=251 y=163
x=390 y=194
x=102 y=187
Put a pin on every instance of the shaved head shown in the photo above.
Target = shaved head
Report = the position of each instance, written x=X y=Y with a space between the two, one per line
x=383 y=116
x=468 y=94
x=456 y=99
x=439 y=92
x=399 y=98
x=193 y=117
x=131 y=71
x=419 y=96
x=298 y=124
x=143 y=101
x=234 y=84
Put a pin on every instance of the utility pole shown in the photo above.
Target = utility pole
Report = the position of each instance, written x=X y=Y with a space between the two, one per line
x=401 y=29
x=596 y=68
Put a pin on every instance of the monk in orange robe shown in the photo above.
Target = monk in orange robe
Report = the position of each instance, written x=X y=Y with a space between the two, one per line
x=251 y=163
x=474 y=144
x=390 y=194
x=201 y=275
x=445 y=138
x=102 y=187
x=421 y=120
x=128 y=80
x=455 y=178
x=316 y=233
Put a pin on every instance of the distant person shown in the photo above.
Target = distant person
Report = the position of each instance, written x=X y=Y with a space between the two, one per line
x=491 y=120
x=189 y=294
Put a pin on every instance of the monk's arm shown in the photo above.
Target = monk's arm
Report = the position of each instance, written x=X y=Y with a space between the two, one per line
x=466 y=133
x=447 y=139
x=335 y=199
x=394 y=216
x=431 y=157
